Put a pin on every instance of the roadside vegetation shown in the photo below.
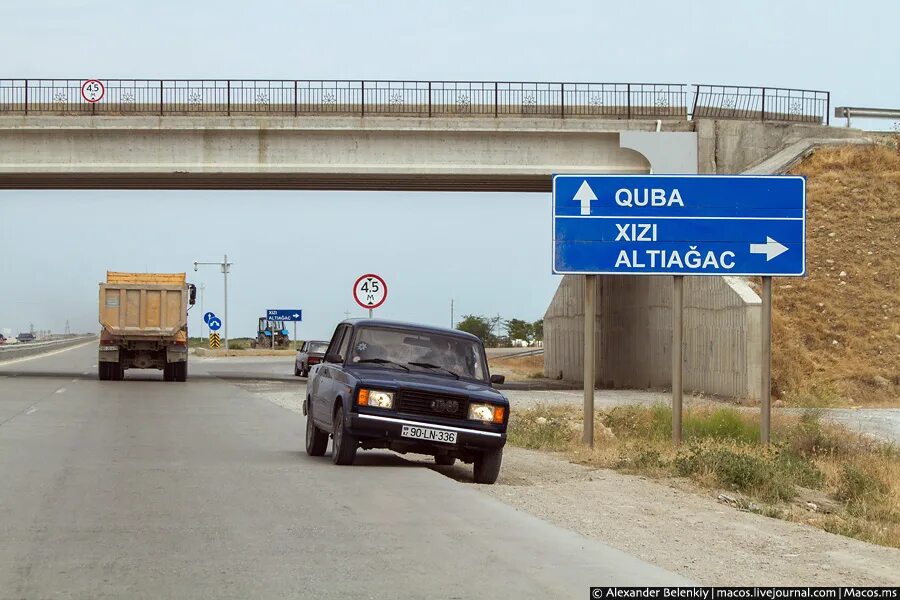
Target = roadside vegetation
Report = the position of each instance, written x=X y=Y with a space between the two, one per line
x=518 y=368
x=836 y=332
x=813 y=472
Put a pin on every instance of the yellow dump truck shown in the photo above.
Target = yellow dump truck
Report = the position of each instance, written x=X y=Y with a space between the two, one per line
x=144 y=320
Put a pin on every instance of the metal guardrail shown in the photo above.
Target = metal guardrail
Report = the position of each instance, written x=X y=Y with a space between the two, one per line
x=846 y=112
x=18 y=350
x=413 y=98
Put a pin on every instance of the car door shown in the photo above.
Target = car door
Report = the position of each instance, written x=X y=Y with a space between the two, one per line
x=322 y=393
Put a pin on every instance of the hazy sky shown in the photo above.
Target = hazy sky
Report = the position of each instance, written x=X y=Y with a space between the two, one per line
x=491 y=252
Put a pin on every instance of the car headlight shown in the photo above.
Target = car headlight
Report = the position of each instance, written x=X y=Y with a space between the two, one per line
x=488 y=413
x=375 y=398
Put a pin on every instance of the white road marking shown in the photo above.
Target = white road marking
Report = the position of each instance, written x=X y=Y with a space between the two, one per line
x=75 y=380
x=61 y=391
x=31 y=410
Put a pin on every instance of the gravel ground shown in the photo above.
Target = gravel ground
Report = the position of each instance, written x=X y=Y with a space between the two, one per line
x=667 y=523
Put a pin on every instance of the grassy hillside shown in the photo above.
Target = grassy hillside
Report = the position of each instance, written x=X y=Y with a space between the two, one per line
x=837 y=331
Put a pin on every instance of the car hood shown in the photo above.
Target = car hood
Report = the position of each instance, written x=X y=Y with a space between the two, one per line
x=391 y=378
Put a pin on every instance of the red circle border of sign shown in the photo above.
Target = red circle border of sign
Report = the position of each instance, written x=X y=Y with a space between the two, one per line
x=383 y=284
x=102 y=90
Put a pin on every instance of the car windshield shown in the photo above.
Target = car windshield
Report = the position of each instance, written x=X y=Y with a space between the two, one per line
x=319 y=347
x=447 y=354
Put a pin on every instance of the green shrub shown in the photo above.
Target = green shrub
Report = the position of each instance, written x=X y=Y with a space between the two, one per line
x=749 y=473
x=860 y=489
x=532 y=429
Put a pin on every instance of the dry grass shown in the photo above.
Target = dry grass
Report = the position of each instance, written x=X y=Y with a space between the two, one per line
x=852 y=482
x=837 y=331
x=519 y=368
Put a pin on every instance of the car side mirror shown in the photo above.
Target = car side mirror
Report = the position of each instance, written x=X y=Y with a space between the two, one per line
x=192 y=295
x=500 y=379
x=333 y=358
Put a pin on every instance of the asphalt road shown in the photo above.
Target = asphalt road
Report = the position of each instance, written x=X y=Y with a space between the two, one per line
x=146 y=489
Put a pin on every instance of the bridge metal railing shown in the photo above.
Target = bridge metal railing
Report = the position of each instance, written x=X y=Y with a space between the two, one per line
x=411 y=98
x=761 y=103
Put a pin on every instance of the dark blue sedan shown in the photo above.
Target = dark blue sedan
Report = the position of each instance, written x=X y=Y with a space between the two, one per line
x=409 y=388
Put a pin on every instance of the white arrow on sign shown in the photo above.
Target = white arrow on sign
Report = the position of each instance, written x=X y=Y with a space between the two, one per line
x=771 y=248
x=585 y=195
x=296 y=316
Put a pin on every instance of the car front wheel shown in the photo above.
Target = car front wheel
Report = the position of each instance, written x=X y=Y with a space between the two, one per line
x=343 y=450
x=487 y=466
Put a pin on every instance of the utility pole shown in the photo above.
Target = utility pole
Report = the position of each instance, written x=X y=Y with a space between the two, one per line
x=224 y=266
x=451 y=313
x=202 y=312
x=346 y=314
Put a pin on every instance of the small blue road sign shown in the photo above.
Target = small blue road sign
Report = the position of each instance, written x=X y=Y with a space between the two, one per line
x=679 y=225
x=215 y=324
x=284 y=314
x=208 y=316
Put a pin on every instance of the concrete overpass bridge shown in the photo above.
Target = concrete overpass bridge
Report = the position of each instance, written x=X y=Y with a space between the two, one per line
x=440 y=136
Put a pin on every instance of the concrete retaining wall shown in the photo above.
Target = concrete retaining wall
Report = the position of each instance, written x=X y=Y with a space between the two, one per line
x=634 y=341
x=730 y=147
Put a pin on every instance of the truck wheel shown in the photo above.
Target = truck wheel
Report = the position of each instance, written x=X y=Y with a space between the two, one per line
x=487 y=466
x=316 y=439
x=180 y=371
x=168 y=372
x=343 y=450
x=117 y=373
x=103 y=371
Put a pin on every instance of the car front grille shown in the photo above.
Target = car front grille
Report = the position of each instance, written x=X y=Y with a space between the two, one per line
x=434 y=404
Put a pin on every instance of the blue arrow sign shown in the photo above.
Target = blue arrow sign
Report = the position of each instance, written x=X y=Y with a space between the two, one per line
x=284 y=314
x=208 y=316
x=679 y=225
x=215 y=324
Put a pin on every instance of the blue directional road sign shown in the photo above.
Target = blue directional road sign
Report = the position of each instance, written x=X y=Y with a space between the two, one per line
x=215 y=324
x=208 y=316
x=679 y=225
x=284 y=314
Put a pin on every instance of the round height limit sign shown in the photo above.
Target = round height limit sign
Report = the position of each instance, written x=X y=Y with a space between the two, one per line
x=370 y=291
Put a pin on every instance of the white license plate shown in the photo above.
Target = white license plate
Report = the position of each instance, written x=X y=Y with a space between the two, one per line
x=432 y=435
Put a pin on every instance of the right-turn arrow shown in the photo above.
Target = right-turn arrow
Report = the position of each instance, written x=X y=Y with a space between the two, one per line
x=771 y=248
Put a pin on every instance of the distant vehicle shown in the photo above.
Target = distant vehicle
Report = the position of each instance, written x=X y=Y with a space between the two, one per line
x=409 y=388
x=271 y=334
x=25 y=337
x=2 y=339
x=310 y=353
x=144 y=320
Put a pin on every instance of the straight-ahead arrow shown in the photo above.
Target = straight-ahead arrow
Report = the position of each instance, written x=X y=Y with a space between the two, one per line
x=771 y=248
x=585 y=195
